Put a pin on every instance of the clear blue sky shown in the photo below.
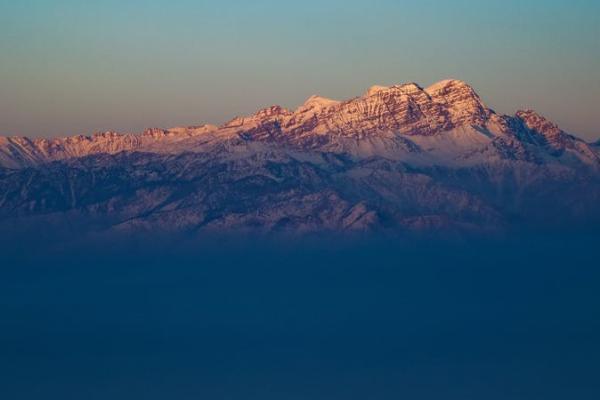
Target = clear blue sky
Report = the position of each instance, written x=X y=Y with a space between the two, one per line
x=69 y=66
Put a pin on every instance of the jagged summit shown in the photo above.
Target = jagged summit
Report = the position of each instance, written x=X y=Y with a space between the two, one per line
x=538 y=123
x=448 y=84
x=272 y=111
x=410 y=87
x=375 y=89
x=405 y=88
x=316 y=101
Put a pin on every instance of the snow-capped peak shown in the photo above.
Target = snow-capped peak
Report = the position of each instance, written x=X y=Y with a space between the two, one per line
x=274 y=110
x=375 y=89
x=319 y=102
x=447 y=84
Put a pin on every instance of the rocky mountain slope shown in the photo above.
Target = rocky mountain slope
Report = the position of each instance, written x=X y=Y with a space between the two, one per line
x=397 y=159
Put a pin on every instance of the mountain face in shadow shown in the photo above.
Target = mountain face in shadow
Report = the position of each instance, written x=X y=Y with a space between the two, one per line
x=397 y=160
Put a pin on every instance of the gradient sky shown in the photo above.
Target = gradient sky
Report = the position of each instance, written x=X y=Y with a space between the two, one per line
x=69 y=67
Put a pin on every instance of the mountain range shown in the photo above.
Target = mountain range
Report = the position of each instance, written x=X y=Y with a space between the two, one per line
x=399 y=159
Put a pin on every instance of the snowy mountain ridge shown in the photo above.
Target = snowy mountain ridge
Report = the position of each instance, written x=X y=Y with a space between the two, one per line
x=446 y=123
x=400 y=159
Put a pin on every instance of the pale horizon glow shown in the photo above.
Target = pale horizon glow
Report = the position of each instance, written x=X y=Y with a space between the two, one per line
x=70 y=67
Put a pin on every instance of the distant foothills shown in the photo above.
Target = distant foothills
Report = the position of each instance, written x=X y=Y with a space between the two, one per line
x=397 y=160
